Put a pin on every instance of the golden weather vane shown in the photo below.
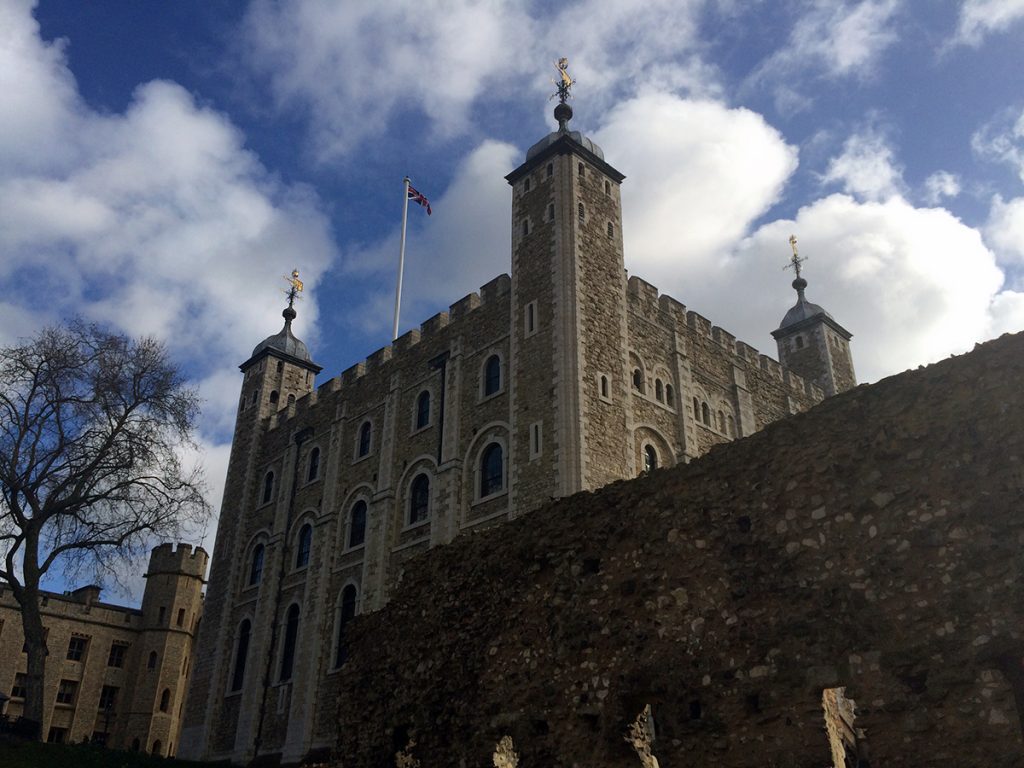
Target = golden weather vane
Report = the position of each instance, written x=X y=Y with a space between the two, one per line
x=797 y=260
x=564 y=82
x=294 y=287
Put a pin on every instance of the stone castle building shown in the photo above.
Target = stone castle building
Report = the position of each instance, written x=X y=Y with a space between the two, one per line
x=563 y=377
x=114 y=675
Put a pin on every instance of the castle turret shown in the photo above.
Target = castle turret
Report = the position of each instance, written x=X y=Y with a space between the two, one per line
x=811 y=343
x=568 y=304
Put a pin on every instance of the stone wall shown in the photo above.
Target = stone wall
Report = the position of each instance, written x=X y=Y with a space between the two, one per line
x=872 y=543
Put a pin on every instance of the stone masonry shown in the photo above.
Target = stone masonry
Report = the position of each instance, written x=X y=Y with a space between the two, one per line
x=114 y=675
x=696 y=615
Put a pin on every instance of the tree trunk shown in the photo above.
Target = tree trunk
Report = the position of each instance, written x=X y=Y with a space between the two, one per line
x=35 y=645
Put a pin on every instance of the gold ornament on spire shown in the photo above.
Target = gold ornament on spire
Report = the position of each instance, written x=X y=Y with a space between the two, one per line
x=564 y=82
x=797 y=260
x=294 y=287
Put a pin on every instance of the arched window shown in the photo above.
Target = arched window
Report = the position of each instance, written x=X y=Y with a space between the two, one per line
x=241 y=654
x=526 y=184
x=423 y=409
x=581 y=170
x=491 y=470
x=581 y=211
x=357 y=525
x=347 y=612
x=604 y=386
x=799 y=342
x=268 y=487
x=492 y=375
x=151 y=664
x=314 y=465
x=419 y=499
x=291 y=399
x=165 y=700
x=732 y=426
x=551 y=170
x=705 y=413
x=721 y=421
x=158 y=747
x=650 y=458
x=607 y=187
x=254 y=396
x=638 y=380
x=291 y=634
x=696 y=409
x=670 y=395
x=256 y=566
x=274 y=396
x=659 y=390
x=305 y=544
x=365 y=435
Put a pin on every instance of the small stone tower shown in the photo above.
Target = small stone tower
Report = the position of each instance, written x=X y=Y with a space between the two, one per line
x=172 y=606
x=279 y=371
x=568 y=320
x=812 y=343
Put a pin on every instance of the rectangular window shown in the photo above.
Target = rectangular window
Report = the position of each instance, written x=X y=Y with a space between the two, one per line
x=108 y=698
x=536 y=440
x=117 y=652
x=76 y=648
x=99 y=738
x=181 y=617
x=18 y=689
x=530 y=319
x=57 y=735
x=66 y=692
x=163 y=613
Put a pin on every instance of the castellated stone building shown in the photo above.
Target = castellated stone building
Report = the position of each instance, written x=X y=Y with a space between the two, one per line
x=563 y=377
x=114 y=675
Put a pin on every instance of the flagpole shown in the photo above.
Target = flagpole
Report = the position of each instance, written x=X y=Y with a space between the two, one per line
x=401 y=255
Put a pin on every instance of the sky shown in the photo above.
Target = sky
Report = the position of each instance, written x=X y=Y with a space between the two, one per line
x=164 y=164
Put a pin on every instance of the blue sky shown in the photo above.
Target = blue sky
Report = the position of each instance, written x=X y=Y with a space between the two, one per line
x=162 y=165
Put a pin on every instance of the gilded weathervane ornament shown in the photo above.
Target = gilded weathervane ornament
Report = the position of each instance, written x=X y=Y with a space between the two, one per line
x=564 y=82
x=797 y=259
x=294 y=287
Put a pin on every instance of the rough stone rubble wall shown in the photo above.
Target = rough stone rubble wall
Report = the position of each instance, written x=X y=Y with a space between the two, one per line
x=872 y=542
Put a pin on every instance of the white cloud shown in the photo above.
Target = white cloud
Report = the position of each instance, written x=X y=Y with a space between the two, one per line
x=407 y=58
x=939 y=185
x=866 y=168
x=1004 y=230
x=464 y=244
x=1002 y=140
x=833 y=39
x=980 y=18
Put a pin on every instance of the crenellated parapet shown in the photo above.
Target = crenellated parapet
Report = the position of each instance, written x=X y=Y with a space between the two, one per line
x=178 y=559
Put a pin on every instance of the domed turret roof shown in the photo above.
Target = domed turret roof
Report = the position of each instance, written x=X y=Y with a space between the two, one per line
x=803 y=309
x=563 y=114
x=285 y=341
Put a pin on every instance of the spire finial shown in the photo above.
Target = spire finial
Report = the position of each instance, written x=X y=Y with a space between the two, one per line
x=794 y=263
x=294 y=289
x=564 y=84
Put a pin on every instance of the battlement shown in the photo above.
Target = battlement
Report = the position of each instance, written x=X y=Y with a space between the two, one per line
x=180 y=558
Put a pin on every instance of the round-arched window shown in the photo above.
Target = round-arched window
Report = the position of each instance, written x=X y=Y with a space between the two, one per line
x=491 y=470
x=419 y=499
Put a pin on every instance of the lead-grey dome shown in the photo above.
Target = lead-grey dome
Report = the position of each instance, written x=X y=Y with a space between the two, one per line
x=285 y=341
x=554 y=136
x=803 y=309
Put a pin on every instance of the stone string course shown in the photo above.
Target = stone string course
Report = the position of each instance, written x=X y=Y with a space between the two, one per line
x=873 y=542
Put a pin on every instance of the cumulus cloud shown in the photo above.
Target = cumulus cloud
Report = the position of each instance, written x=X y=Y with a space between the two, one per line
x=153 y=221
x=1004 y=230
x=939 y=185
x=980 y=18
x=1002 y=140
x=866 y=168
x=327 y=59
x=464 y=244
x=832 y=39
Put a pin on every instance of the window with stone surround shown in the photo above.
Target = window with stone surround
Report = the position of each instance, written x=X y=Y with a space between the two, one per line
x=659 y=391
x=581 y=212
x=268 y=488
x=526 y=184
x=551 y=211
x=77 y=647
x=256 y=565
x=650 y=458
x=670 y=396
x=347 y=607
x=108 y=698
x=117 y=654
x=422 y=410
x=57 y=735
x=241 y=654
x=357 y=525
x=638 y=380
x=18 y=687
x=365 y=439
x=66 y=691
x=530 y=319
x=313 y=469
x=526 y=227
x=604 y=388
x=607 y=187
x=151 y=663
x=419 y=499
x=492 y=470
x=491 y=376
x=550 y=170
x=581 y=170
x=304 y=546
x=165 y=700
x=536 y=440
x=611 y=229
x=291 y=636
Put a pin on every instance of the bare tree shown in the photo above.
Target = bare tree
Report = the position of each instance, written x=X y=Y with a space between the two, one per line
x=92 y=425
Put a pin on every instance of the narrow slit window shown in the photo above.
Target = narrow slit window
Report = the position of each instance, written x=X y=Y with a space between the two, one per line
x=551 y=211
x=581 y=211
x=611 y=229
x=551 y=170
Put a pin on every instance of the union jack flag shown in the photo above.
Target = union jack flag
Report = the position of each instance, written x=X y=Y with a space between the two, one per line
x=417 y=197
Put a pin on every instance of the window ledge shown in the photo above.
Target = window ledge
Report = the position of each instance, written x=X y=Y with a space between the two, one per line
x=413 y=543
x=485 y=398
x=490 y=497
x=418 y=430
x=356 y=548
x=413 y=526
